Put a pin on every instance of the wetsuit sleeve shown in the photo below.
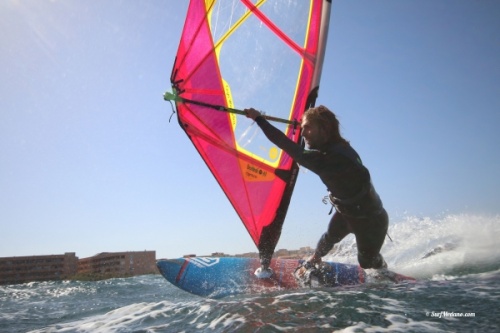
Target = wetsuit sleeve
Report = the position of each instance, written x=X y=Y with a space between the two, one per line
x=309 y=159
x=279 y=138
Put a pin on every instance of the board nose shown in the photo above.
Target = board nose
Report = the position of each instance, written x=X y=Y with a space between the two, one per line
x=171 y=269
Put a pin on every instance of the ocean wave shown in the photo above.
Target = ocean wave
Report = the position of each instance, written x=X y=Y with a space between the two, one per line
x=455 y=259
x=423 y=247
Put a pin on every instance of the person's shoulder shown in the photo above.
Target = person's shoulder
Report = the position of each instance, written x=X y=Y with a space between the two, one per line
x=343 y=151
x=338 y=148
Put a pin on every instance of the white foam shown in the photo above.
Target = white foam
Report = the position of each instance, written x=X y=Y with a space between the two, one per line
x=117 y=320
x=427 y=247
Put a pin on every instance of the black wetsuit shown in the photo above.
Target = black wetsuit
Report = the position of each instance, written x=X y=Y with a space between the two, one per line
x=358 y=207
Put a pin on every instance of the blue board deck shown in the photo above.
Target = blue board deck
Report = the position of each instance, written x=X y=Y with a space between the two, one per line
x=217 y=277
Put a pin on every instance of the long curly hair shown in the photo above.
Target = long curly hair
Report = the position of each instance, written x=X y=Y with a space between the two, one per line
x=328 y=123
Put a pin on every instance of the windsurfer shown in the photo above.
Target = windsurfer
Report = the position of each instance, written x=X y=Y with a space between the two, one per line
x=358 y=208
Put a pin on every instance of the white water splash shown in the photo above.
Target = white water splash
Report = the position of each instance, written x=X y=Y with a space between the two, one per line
x=426 y=247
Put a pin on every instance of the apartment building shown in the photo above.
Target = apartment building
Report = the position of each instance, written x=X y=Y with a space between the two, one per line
x=121 y=264
x=15 y=270
x=37 y=268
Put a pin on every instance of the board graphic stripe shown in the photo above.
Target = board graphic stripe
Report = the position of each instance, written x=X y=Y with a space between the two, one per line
x=181 y=271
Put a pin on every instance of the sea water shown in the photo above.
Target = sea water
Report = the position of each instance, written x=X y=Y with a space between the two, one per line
x=456 y=260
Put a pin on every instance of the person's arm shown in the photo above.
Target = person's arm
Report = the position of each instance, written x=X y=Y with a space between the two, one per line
x=310 y=159
x=275 y=135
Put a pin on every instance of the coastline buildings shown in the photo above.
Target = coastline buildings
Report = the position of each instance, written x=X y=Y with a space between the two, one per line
x=117 y=264
x=37 y=268
x=68 y=266
x=15 y=270
x=301 y=253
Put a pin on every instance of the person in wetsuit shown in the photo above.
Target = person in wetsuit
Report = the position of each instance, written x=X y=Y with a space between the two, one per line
x=358 y=208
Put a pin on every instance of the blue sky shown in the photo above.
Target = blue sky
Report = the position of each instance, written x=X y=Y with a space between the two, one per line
x=90 y=163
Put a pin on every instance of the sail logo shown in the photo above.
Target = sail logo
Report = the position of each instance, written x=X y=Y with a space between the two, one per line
x=204 y=262
x=255 y=170
x=252 y=172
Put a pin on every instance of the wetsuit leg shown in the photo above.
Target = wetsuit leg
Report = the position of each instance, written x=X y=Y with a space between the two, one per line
x=370 y=235
x=337 y=230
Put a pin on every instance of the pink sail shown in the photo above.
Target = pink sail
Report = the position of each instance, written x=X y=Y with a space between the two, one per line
x=235 y=54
